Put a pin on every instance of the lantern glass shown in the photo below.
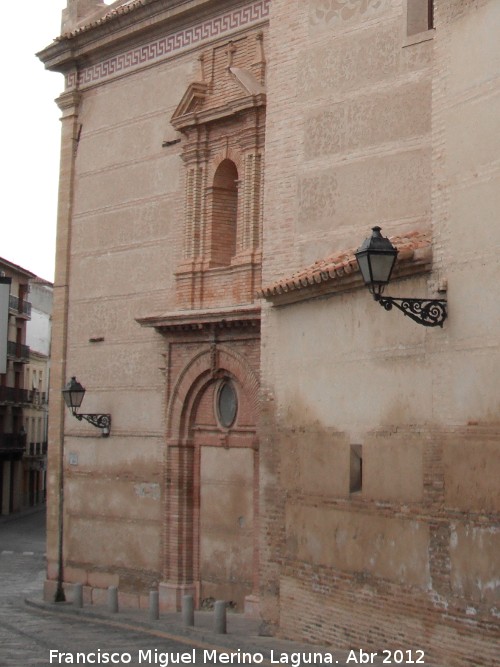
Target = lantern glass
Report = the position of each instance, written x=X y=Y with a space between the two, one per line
x=73 y=394
x=364 y=266
x=381 y=267
x=376 y=258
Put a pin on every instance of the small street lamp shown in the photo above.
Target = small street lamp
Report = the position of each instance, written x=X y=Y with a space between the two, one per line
x=376 y=258
x=73 y=394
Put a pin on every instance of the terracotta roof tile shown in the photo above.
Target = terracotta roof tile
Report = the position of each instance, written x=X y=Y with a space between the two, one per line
x=42 y=281
x=344 y=263
x=126 y=7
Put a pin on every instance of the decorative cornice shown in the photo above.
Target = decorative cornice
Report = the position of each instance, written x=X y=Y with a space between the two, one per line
x=63 y=54
x=69 y=102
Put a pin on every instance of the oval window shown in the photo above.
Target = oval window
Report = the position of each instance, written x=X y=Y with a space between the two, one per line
x=227 y=403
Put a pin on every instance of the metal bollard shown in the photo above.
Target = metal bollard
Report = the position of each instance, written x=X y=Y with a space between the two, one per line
x=113 y=599
x=154 y=605
x=187 y=609
x=78 y=595
x=220 y=626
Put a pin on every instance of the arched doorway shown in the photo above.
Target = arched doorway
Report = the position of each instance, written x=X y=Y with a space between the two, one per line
x=212 y=482
x=226 y=502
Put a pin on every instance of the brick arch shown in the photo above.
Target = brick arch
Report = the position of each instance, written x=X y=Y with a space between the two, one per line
x=223 y=205
x=229 y=154
x=198 y=373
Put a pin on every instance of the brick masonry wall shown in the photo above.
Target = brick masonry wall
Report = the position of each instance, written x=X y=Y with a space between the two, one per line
x=343 y=120
x=411 y=561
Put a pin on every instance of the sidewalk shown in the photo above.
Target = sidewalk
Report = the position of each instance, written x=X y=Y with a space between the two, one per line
x=242 y=635
x=28 y=511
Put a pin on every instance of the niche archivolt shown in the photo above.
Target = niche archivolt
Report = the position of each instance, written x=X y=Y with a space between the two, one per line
x=222 y=119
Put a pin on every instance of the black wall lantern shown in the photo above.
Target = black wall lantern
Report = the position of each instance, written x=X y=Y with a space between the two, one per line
x=73 y=394
x=376 y=258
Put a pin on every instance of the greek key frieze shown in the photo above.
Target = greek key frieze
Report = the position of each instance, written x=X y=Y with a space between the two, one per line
x=170 y=44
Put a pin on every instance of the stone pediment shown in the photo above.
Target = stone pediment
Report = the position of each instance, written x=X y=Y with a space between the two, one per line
x=192 y=100
x=247 y=81
x=194 y=108
x=231 y=79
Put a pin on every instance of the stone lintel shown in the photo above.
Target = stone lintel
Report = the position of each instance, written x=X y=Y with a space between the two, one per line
x=204 y=320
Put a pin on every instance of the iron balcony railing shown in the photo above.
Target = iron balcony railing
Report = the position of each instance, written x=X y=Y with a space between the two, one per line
x=15 y=395
x=20 y=306
x=36 y=455
x=36 y=449
x=38 y=398
x=12 y=442
x=18 y=351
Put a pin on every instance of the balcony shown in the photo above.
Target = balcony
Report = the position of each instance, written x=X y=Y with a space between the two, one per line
x=20 y=307
x=38 y=398
x=13 y=395
x=12 y=444
x=18 y=352
x=36 y=449
x=35 y=456
x=37 y=463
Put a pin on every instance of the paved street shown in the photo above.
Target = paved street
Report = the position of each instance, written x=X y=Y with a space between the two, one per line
x=27 y=635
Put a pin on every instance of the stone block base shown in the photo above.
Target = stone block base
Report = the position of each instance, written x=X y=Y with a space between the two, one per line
x=171 y=595
x=252 y=606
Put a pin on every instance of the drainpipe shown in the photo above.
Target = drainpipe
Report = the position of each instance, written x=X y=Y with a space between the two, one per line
x=68 y=102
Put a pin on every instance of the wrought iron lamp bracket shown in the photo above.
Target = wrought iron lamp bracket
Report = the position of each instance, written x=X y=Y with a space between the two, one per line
x=428 y=312
x=376 y=258
x=98 y=420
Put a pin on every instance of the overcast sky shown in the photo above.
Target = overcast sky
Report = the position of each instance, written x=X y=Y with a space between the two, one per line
x=30 y=135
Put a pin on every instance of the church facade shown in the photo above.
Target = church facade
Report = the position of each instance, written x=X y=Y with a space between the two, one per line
x=278 y=440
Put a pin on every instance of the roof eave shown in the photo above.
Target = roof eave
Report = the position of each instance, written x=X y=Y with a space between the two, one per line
x=57 y=57
x=106 y=34
x=342 y=274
